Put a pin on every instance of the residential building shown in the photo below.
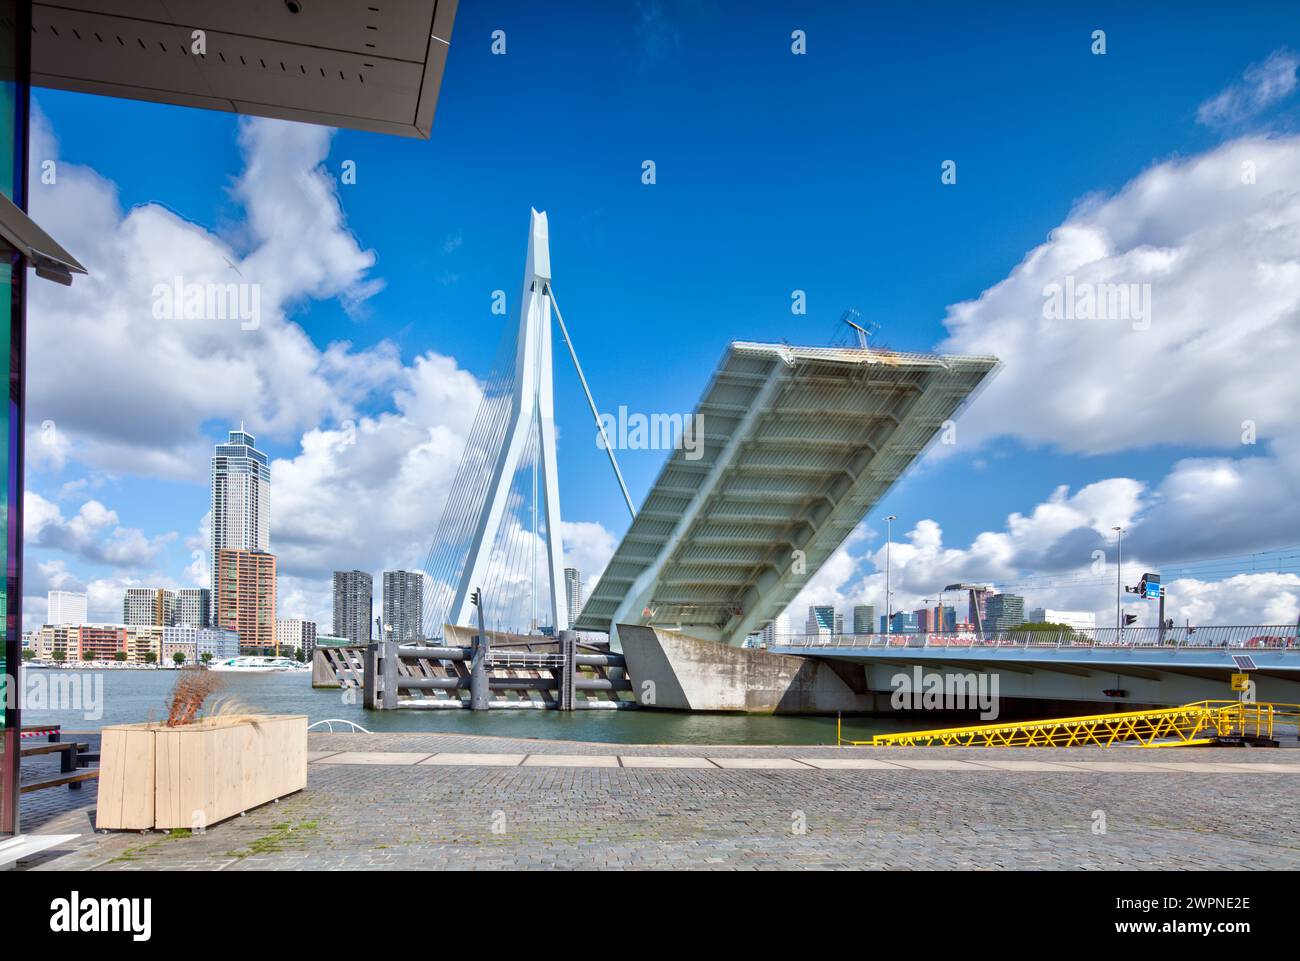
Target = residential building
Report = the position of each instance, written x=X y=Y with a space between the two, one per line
x=864 y=618
x=244 y=598
x=194 y=607
x=66 y=607
x=143 y=642
x=1078 y=620
x=52 y=638
x=776 y=631
x=353 y=605
x=295 y=634
x=903 y=622
x=218 y=642
x=573 y=593
x=1005 y=611
x=101 y=642
x=241 y=482
x=403 y=605
x=182 y=640
x=149 y=606
x=821 y=621
x=936 y=619
x=195 y=642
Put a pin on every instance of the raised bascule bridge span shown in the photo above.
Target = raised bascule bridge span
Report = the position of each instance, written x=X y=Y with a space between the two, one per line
x=791 y=447
x=799 y=444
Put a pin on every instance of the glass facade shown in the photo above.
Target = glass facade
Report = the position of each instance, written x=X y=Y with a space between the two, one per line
x=15 y=50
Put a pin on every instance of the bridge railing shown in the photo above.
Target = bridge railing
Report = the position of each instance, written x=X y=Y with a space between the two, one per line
x=1284 y=637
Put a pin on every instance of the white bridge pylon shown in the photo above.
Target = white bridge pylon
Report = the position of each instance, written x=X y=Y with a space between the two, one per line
x=533 y=399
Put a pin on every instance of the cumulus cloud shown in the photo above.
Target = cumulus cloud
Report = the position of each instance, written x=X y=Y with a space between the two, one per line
x=1217 y=239
x=93 y=534
x=1220 y=251
x=1262 y=85
x=1222 y=259
x=921 y=566
x=105 y=338
x=588 y=546
x=118 y=389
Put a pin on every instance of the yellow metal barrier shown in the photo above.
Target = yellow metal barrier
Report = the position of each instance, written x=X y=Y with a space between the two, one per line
x=1197 y=723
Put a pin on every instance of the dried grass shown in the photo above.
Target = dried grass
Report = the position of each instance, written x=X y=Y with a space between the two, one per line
x=193 y=686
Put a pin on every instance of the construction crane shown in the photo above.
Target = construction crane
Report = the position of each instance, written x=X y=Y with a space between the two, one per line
x=978 y=598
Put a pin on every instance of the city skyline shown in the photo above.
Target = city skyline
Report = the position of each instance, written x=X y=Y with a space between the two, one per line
x=347 y=392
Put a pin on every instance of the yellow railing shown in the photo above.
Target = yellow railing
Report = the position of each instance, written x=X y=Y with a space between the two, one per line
x=1195 y=723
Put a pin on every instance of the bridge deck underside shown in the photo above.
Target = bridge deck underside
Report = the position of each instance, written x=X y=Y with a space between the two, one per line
x=798 y=445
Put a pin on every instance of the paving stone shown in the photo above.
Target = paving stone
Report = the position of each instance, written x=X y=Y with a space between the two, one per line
x=1023 y=765
x=474 y=760
x=850 y=764
x=1202 y=767
x=571 y=760
x=665 y=762
x=1265 y=768
x=759 y=763
x=1122 y=767
x=373 y=757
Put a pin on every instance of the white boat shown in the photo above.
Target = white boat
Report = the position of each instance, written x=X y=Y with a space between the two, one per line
x=252 y=664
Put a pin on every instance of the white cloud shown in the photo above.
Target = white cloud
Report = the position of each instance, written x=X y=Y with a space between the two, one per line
x=123 y=390
x=93 y=534
x=1262 y=85
x=588 y=546
x=1269 y=598
x=1223 y=262
x=921 y=566
x=1222 y=258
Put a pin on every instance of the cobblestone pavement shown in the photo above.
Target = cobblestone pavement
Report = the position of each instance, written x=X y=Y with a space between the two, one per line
x=467 y=815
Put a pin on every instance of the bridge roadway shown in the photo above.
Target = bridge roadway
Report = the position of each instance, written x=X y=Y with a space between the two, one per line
x=1175 y=672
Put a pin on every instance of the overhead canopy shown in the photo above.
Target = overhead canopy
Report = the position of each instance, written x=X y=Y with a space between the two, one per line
x=42 y=251
x=362 y=65
x=799 y=444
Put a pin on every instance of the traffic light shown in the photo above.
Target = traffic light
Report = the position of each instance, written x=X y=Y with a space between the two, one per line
x=1129 y=619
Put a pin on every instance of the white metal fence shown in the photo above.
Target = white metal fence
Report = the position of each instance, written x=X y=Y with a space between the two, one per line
x=1284 y=637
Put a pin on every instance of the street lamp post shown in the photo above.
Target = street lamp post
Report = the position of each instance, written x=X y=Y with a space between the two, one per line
x=1119 y=582
x=889 y=540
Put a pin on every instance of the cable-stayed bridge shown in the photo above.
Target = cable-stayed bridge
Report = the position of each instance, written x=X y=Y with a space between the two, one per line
x=797 y=445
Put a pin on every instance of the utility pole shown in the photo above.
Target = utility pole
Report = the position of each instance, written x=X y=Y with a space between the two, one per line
x=1161 y=638
x=1119 y=582
x=889 y=540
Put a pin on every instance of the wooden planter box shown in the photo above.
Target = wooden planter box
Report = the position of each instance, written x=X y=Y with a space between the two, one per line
x=151 y=776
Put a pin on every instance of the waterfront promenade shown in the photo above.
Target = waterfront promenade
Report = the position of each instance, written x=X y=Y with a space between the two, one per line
x=430 y=801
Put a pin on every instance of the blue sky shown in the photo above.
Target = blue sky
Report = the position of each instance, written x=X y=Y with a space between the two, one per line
x=775 y=172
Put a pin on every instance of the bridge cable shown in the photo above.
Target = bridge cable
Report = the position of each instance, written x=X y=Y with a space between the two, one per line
x=600 y=426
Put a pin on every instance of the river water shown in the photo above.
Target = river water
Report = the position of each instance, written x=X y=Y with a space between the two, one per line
x=130 y=696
